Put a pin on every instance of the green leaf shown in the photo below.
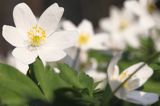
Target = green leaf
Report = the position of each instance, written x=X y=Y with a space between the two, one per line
x=152 y=86
x=69 y=75
x=87 y=82
x=16 y=88
x=107 y=96
x=46 y=79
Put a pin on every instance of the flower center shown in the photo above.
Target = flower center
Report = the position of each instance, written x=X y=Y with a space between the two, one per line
x=123 y=25
x=36 y=35
x=83 y=39
x=123 y=76
x=151 y=7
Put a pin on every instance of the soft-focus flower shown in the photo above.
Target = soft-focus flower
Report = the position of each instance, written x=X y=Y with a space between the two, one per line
x=146 y=10
x=86 y=38
x=97 y=76
x=34 y=38
x=128 y=91
x=122 y=29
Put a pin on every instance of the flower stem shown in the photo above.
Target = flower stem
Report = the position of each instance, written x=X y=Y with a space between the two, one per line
x=74 y=64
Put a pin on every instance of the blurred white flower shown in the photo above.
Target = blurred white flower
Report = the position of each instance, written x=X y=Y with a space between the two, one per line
x=34 y=38
x=96 y=75
x=146 y=10
x=122 y=29
x=128 y=91
x=86 y=38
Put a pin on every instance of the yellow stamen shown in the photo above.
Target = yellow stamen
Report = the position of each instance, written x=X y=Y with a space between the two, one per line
x=36 y=35
x=123 y=76
x=123 y=25
x=83 y=39
x=151 y=7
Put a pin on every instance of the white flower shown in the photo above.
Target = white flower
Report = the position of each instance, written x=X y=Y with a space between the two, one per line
x=128 y=91
x=86 y=38
x=34 y=38
x=96 y=75
x=122 y=29
x=146 y=10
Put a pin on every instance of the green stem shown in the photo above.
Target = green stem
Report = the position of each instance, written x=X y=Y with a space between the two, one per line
x=74 y=64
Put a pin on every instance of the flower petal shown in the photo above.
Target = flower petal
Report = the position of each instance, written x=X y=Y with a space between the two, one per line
x=113 y=70
x=11 y=60
x=50 y=18
x=50 y=54
x=25 y=55
x=23 y=17
x=142 y=78
x=142 y=98
x=14 y=36
x=134 y=7
x=121 y=93
x=62 y=39
x=105 y=24
x=22 y=67
x=86 y=27
x=68 y=25
x=98 y=41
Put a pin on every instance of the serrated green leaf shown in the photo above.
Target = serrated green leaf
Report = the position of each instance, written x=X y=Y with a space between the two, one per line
x=69 y=75
x=46 y=79
x=87 y=82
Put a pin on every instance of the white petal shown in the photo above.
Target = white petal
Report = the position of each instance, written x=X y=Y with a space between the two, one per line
x=50 y=18
x=121 y=93
x=23 y=17
x=22 y=67
x=11 y=60
x=113 y=70
x=142 y=98
x=62 y=39
x=50 y=54
x=24 y=55
x=14 y=36
x=142 y=78
x=86 y=27
x=98 y=41
x=105 y=24
x=97 y=76
x=134 y=7
x=147 y=22
x=68 y=25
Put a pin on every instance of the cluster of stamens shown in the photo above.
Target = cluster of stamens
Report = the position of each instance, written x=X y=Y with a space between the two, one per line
x=37 y=36
x=83 y=39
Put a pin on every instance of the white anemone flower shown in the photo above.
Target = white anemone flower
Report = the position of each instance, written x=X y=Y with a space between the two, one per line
x=86 y=38
x=146 y=10
x=32 y=38
x=97 y=76
x=128 y=91
x=122 y=29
